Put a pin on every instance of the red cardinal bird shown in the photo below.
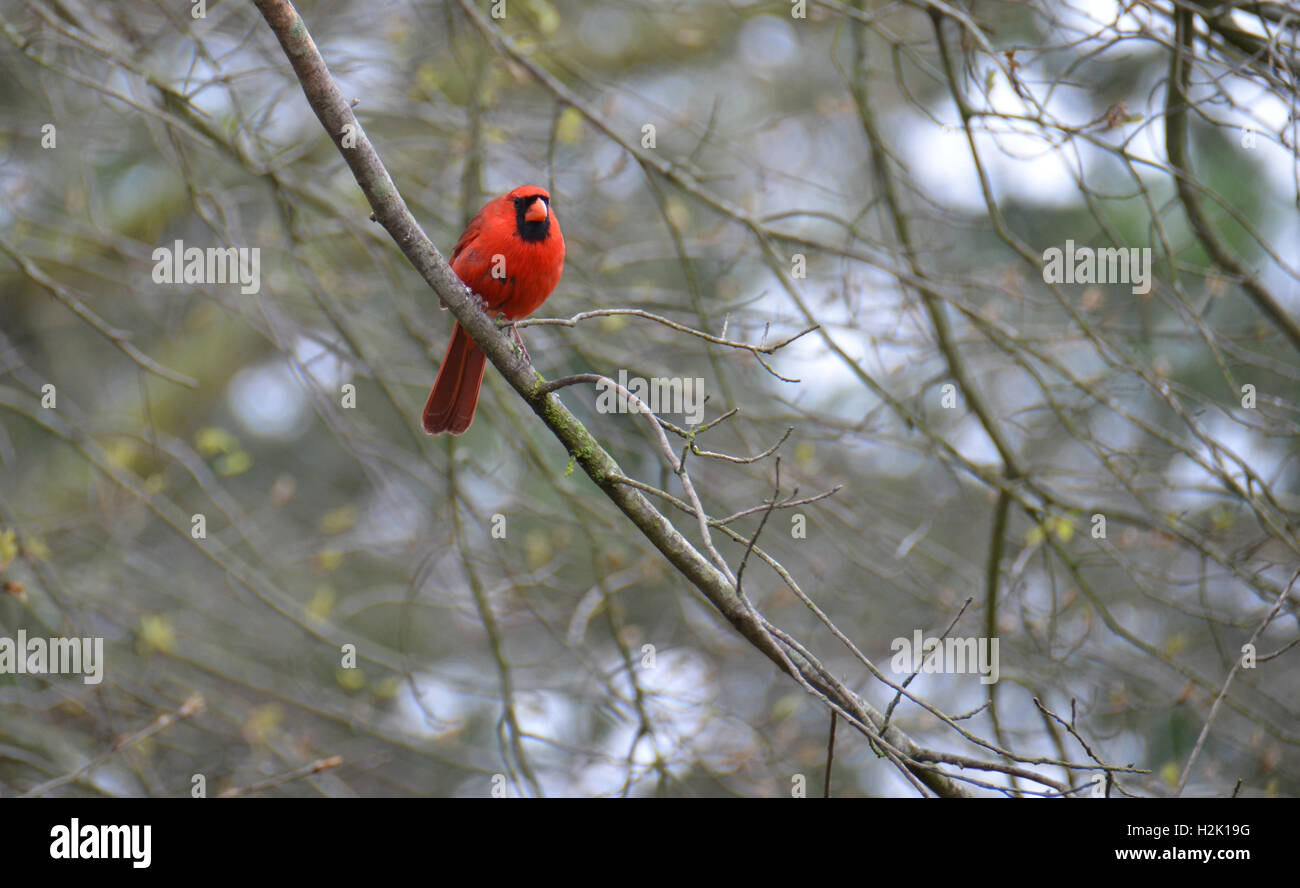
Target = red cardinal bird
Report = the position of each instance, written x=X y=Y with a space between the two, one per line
x=512 y=256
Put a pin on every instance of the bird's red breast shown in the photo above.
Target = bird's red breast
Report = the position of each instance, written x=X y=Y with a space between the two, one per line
x=512 y=256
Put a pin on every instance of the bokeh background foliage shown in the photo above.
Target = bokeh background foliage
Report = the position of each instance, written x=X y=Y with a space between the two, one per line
x=835 y=136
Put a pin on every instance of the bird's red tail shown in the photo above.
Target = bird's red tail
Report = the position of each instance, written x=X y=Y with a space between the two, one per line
x=455 y=390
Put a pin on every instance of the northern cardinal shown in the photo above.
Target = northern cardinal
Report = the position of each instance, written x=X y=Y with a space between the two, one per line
x=512 y=256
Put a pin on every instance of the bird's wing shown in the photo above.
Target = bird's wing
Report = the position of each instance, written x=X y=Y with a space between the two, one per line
x=470 y=234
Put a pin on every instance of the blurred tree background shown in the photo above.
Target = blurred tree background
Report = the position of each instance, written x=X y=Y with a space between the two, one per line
x=889 y=173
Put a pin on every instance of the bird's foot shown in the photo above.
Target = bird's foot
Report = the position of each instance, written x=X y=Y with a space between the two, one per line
x=523 y=349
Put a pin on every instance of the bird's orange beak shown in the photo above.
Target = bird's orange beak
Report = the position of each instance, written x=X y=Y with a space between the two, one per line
x=536 y=211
